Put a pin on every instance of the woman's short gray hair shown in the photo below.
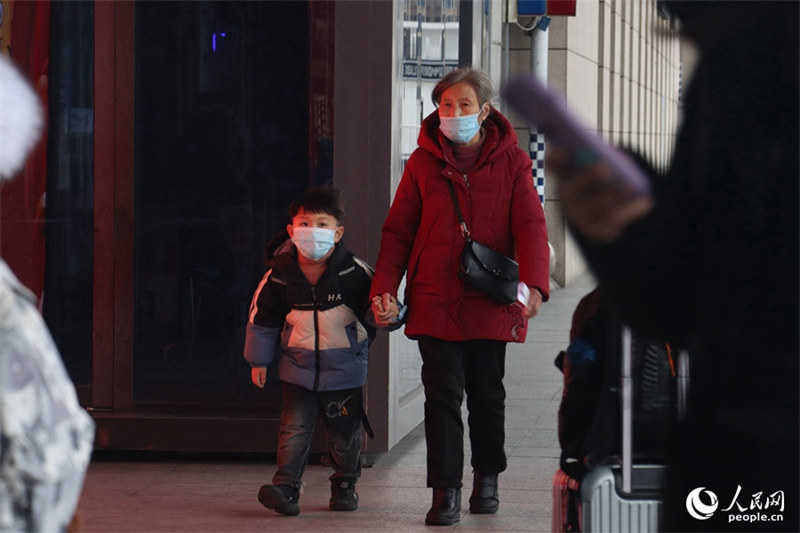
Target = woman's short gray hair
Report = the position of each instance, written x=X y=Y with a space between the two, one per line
x=477 y=79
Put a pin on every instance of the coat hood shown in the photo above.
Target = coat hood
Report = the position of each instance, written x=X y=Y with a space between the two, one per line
x=500 y=136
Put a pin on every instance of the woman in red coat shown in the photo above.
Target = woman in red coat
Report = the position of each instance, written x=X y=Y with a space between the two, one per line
x=462 y=333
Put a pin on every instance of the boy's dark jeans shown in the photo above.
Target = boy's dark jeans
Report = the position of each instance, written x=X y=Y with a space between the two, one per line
x=449 y=368
x=341 y=412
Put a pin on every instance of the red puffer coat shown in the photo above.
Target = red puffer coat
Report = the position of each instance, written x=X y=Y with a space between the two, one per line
x=421 y=235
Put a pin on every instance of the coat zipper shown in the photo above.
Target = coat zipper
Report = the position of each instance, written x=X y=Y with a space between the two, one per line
x=316 y=339
x=463 y=176
x=466 y=183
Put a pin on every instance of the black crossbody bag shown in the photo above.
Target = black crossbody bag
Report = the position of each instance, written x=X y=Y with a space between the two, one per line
x=491 y=272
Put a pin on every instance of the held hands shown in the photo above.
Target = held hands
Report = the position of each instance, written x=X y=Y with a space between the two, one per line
x=259 y=376
x=598 y=207
x=385 y=309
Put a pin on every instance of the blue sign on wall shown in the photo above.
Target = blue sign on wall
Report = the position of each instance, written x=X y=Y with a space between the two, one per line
x=531 y=7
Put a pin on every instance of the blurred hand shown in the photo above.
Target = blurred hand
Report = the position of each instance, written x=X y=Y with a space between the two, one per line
x=534 y=303
x=593 y=202
x=385 y=309
x=259 y=376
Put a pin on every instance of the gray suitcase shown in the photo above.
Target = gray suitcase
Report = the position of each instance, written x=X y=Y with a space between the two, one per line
x=628 y=497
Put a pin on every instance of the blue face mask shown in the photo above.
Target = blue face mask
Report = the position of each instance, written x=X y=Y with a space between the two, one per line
x=313 y=243
x=460 y=130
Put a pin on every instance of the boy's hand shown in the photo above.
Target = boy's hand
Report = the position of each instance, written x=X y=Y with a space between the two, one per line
x=385 y=309
x=259 y=376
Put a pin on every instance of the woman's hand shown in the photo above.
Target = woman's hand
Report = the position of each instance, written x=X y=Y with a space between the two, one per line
x=534 y=303
x=385 y=309
x=594 y=204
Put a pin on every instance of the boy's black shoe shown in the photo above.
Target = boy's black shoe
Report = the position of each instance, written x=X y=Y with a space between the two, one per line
x=343 y=495
x=484 y=499
x=446 y=508
x=282 y=498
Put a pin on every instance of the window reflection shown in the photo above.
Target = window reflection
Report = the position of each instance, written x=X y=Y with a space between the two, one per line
x=67 y=299
x=430 y=50
x=221 y=149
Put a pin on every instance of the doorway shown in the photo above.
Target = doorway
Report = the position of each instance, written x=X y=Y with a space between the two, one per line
x=221 y=148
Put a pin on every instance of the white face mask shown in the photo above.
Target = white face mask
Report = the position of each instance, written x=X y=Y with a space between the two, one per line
x=313 y=243
x=461 y=129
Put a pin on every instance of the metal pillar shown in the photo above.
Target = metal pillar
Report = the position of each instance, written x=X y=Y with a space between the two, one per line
x=465 y=36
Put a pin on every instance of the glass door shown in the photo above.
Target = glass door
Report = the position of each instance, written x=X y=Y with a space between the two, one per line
x=69 y=227
x=221 y=148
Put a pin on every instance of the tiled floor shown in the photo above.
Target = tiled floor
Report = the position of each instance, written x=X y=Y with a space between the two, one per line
x=220 y=495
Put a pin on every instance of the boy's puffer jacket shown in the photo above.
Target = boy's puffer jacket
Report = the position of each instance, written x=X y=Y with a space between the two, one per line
x=319 y=330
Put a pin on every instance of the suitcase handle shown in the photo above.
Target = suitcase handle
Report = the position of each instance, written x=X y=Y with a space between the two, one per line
x=683 y=382
x=626 y=378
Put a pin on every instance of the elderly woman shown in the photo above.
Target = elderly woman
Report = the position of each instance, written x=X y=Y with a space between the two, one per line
x=461 y=332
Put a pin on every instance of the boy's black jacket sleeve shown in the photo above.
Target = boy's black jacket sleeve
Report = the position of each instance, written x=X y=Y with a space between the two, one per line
x=360 y=303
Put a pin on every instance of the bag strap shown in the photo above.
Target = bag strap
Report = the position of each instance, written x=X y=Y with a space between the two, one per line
x=463 y=225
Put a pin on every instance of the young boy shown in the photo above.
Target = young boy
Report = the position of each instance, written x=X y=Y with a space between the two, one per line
x=311 y=310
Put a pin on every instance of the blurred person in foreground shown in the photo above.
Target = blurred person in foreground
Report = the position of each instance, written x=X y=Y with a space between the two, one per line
x=709 y=260
x=45 y=436
x=462 y=332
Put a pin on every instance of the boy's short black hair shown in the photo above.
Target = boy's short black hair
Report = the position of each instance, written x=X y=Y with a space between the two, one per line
x=328 y=200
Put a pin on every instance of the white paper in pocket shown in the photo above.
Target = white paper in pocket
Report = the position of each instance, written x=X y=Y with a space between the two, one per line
x=523 y=292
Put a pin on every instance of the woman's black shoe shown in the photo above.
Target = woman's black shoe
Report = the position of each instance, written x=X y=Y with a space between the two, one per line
x=446 y=508
x=484 y=498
